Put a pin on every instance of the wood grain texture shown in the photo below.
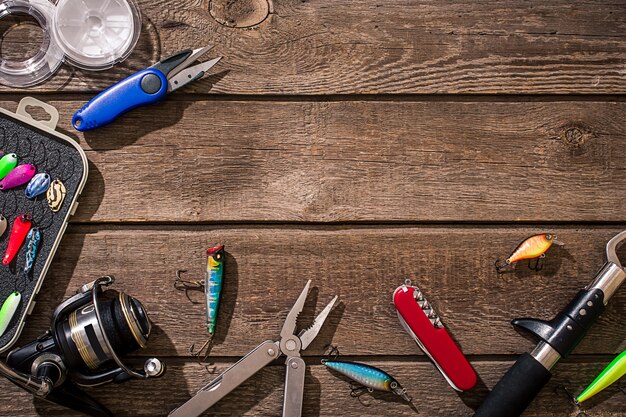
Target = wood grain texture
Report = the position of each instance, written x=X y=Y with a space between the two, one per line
x=266 y=268
x=215 y=161
x=371 y=47
x=327 y=395
x=354 y=143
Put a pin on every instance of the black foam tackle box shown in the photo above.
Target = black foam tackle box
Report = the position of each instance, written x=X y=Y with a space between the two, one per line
x=36 y=142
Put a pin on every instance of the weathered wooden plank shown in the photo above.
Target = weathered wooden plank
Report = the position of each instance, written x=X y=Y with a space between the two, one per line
x=400 y=46
x=212 y=161
x=327 y=395
x=266 y=268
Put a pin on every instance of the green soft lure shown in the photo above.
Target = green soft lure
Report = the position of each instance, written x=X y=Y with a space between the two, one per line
x=614 y=371
x=9 y=307
x=7 y=163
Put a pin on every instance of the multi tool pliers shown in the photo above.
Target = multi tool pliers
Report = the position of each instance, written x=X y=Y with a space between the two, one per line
x=144 y=87
x=290 y=345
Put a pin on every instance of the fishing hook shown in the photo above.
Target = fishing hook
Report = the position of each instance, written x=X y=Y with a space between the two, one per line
x=333 y=351
x=357 y=391
x=181 y=284
x=538 y=266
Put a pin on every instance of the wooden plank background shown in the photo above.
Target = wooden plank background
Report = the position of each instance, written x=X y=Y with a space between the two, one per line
x=357 y=144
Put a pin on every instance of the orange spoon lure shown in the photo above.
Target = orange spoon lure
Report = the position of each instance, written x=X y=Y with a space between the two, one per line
x=531 y=248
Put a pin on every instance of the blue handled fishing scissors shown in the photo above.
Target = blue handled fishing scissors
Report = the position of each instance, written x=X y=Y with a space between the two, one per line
x=144 y=87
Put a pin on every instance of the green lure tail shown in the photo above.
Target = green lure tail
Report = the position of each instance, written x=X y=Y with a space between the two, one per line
x=9 y=307
x=614 y=371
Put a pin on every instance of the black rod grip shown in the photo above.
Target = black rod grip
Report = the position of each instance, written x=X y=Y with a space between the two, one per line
x=516 y=390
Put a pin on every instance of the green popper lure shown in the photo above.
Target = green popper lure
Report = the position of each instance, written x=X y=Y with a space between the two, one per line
x=213 y=284
x=9 y=307
x=367 y=376
x=614 y=371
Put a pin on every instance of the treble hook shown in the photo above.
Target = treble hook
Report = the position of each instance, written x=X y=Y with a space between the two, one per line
x=185 y=285
x=500 y=269
x=564 y=390
x=357 y=391
x=538 y=266
x=333 y=351
x=204 y=346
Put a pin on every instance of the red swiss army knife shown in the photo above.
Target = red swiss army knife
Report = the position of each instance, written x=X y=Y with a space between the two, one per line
x=420 y=321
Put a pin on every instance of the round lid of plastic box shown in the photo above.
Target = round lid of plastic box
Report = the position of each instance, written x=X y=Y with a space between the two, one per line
x=96 y=34
x=38 y=68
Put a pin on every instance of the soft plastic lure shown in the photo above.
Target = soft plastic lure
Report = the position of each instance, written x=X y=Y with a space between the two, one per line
x=533 y=247
x=18 y=234
x=213 y=284
x=34 y=237
x=38 y=185
x=614 y=371
x=9 y=307
x=56 y=195
x=3 y=224
x=367 y=376
x=19 y=176
x=7 y=163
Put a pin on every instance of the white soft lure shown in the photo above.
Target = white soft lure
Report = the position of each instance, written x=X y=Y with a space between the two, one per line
x=9 y=307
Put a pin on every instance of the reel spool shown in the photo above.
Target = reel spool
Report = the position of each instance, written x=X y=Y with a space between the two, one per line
x=87 y=334
x=88 y=34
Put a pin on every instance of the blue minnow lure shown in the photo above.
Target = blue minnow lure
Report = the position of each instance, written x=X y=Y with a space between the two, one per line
x=38 y=185
x=34 y=237
x=368 y=376
x=9 y=307
x=213 y=284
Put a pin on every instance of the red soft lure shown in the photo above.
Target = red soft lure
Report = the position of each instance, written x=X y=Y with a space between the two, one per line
x=18 y=235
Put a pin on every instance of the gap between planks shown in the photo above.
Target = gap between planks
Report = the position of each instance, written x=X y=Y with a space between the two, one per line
x=409 y=98
x=82 y=227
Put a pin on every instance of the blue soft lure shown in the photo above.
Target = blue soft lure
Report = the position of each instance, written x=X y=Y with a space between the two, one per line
x=39 y=184
x=34 y=237
x=9 y=307
x=368 y=376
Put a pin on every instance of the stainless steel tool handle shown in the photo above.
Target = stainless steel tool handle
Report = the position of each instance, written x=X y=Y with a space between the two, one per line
x=294 y=387
x=230 y=379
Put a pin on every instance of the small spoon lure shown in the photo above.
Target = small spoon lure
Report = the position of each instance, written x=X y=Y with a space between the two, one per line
x=9 y=307
x=19 y=231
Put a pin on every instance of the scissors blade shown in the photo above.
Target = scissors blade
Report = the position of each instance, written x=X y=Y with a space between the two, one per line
x=188 y=75
x=193 y=57
x=307 y=336
x=289 y=327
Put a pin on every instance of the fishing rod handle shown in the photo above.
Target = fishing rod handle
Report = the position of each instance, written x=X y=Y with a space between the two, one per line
x=516 y=390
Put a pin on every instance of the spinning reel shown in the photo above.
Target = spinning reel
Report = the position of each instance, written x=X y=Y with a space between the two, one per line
x=81 y=349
